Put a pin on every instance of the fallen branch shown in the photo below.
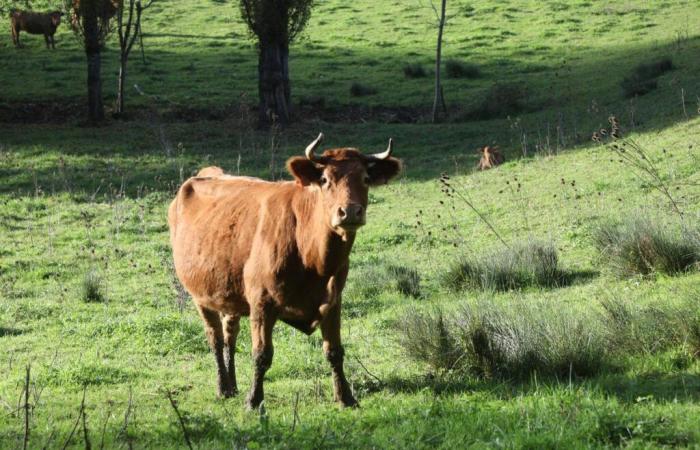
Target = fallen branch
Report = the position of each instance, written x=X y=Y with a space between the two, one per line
x=368 y=372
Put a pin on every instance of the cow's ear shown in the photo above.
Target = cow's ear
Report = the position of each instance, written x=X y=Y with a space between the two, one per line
x=303 y=170
x=381 y=171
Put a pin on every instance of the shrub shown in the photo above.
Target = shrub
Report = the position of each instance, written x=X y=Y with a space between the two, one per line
x=414 y=71
x=529 y=263
x=361 y=90
x=459 y=69
x=642 y=245
x=643 y=78
x=91 y=288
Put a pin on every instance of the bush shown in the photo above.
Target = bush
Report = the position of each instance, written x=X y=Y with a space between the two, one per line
x=414 y=71
x=361 y=90
x=642 y=245
x=91 y=288
x=459 y=69
x=643 y=78
x=529 y=263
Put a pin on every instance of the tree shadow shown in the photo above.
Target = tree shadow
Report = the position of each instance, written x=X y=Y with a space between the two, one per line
x=6 y=331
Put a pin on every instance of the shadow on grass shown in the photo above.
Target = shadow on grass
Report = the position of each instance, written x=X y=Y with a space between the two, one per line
x=4 y=331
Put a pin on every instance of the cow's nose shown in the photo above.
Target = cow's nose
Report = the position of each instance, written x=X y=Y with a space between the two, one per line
x=351 y=214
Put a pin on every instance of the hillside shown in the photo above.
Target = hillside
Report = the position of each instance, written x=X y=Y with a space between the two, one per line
x=82 y=205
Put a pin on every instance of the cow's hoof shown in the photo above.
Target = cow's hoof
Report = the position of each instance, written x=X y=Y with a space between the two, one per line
x=253 y=403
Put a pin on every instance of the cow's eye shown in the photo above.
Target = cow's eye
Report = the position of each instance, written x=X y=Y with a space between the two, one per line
x=366 y=179
x=323 y=181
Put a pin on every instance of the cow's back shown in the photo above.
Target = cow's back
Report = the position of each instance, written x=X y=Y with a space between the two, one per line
x=213 y=223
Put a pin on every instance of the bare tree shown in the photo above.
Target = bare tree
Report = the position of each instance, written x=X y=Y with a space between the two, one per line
x=90 y=20
x=439 y=98
x=128 y=33
x=275 y=23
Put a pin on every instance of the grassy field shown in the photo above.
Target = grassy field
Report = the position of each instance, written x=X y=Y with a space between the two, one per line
x=79 y=202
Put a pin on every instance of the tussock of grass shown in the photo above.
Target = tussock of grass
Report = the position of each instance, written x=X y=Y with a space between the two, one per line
x=493 y=341
x=650 y=329
x=525 y=264
x=414 y=71
x=92 y=290
x=370 y=281
x=460 y=69
x=643 y=78
x=361 y=90
x=643 y=245
x=501 y=100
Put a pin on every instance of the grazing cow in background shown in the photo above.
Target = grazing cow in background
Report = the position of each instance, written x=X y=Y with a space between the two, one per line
x=274 y=250
x=490 y=158
x=35 y=23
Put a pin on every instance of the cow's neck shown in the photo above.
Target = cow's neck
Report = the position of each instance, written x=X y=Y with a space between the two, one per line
x=320 y=247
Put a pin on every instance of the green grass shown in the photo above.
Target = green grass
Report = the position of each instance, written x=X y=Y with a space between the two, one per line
x=75 y=199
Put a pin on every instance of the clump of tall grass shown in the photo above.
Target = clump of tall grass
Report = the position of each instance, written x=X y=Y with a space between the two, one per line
x=501 y=100
x=460 y=69
x=648 y=329
x=643 y=77
x=513 y=341
x=524 y=264
x=91 y=288
x=370 y=281
x=493 y=341
x=414 y=71
x=361 y=90
x=643 y=245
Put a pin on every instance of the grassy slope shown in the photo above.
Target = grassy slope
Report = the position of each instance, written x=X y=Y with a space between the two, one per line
x=64 y=211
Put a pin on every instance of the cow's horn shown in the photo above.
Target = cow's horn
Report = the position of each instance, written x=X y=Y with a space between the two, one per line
x=385 y=154
x=312 y=147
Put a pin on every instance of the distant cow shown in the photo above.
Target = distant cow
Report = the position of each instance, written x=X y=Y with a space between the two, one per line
x=35 y=23
x=274 y=250
x=490 y=158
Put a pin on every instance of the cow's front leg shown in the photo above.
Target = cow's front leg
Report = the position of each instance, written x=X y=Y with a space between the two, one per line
x=215 y=336
x=262 y=319
x=332 y=347
x=231 y=325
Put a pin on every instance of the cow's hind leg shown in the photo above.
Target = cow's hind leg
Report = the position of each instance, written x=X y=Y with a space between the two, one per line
x=262 y=319
x=333 y=349
x=215 y=336
x=231 y=325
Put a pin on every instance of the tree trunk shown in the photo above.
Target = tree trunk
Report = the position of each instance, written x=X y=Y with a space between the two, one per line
x=94 y=81
x=121 y=82
x=94 y=62
x=273 y=83
x=439 y=98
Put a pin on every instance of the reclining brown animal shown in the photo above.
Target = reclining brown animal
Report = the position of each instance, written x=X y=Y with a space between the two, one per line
x=35 y=23
x=490 y=158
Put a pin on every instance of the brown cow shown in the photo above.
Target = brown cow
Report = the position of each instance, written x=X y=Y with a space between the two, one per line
x=35 y=23
x=274 y=250
x=490 y=158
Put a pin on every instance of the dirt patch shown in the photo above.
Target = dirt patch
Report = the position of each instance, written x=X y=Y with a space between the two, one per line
x=58 y=112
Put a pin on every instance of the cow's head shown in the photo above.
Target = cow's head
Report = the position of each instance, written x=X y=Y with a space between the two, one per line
x=342 y=177
x=56 y=18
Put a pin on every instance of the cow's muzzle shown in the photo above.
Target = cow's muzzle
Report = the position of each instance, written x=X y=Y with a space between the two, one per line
x=349 y=217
